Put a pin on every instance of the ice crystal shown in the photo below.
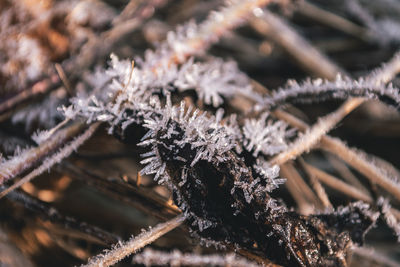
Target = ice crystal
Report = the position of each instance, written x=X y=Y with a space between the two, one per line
x=270 y=174
x=266 y=182
x=266 y=136
x=212 y=80
x=175 y=129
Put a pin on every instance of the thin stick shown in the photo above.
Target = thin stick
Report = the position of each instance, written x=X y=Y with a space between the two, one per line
x=332 y=20
x=64 y=79
x=357 y=161
x=312 y=136
x=337 y=184
x=295 y=45
x=319 y=189
x=54 y=159
x=30 y=157
x=302 y=194
x=346 y=173
x=122 y=250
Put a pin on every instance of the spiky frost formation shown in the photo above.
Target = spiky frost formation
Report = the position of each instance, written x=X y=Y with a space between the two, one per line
x=131 y=89
x=213 y=80
x=341 y=88
x=266 y=136
x=186 y=137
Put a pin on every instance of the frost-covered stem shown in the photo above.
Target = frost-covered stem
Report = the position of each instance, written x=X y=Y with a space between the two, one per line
x=337 y=184
x=295 y=45
x=151 y=257
x=312 y=136
x=28 y=158
x=122 y=250
x=357 y=161
x=387 y=72
x=325 y=124
x=54 y=158
x=216 y=25
x=389 y=216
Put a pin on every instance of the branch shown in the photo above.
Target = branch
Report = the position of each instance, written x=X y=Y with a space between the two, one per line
x=122 y=250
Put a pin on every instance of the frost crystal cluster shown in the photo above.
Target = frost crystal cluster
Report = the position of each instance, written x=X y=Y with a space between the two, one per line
x=176 y=134
x=266 y=136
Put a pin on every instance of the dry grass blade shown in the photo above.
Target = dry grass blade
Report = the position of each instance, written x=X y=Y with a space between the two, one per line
x=54 y=159
x=339 y=185
x=129 y=247
x=315 y=133
x=360 y=163
x=30 y=157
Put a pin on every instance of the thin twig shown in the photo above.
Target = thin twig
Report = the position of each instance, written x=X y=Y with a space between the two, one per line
x=315 y=133
x=295 y=45
x=122 y=250
x=332 y=20
x=302 y=194
x=361 y=164
x=337 y=184
x=54 y=159
x=319 y=189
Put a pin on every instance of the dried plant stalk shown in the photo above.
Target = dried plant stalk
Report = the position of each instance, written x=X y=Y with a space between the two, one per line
x=295 y=45
x=30 y=157
x=54 y=159
x=122 y=250
x=358 y=161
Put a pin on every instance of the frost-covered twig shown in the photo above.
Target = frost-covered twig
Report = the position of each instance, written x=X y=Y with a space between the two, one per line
x=389 y=217
x=341 y=88
x=305 y=142
x=30 y=157
x=351 y=156
x=151 y=257
x=54 y=158
x=377 y=77
x=122 y=250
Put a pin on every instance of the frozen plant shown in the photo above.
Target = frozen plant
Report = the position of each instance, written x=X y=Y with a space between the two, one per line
x=176 y=134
